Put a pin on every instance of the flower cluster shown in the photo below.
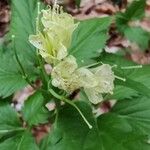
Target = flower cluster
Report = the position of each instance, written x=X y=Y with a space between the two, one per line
x=55 y=37
x=53 y=42
x=67 y=76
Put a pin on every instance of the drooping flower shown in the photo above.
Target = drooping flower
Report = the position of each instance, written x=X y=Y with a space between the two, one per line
x=55 y=37
x=67 y=76
x=105 y=83
x=95 y=82
x=63 y=75
x=60 y=22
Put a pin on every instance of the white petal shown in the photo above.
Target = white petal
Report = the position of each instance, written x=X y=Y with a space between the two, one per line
x=62 y=52
x=87 y=78
x=37 y=41
x=105 y=77
x=93 y=96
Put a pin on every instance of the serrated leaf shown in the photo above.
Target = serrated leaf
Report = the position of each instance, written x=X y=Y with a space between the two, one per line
x=115 y=130
x=21 y=141
x=138 y=35
x=23 y=19
x=129 y=119
x=69 y=131
x=34 y=110
x=11 y=78
x=135 y=10
x=89 y=39
x=9 y=121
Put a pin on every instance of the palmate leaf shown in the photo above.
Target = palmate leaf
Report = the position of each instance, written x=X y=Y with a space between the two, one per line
x=34 y=110
x=135 y=11
x=128 y=123
x=23 y=19
x=20 y=141
x=12 y=134
x=22 y=24
x=9 y=121
x=137 y=80
x=138 y=35
x=89 y=39
x=126 y=127
x=11 y=78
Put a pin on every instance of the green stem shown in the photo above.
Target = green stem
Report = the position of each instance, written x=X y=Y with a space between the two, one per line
x=44 y=75
x=70 y=103
x=12 y=130
x=25 y=76
x=40 y=61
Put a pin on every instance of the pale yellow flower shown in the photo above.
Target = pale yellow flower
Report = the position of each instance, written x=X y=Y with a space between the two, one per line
x=49 y=47
x=67 y=76
x=95 y=82
x=61 y=23
x=63 y=75
x=105 y=83
x=56 y=36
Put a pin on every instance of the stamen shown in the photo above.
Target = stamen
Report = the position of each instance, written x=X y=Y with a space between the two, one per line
x=114 y=66
x=132 y=67
x=55 y=3
x=120 y=78
x=94 y=64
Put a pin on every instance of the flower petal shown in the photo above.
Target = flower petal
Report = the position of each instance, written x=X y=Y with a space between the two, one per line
x=93 y=96
x=37 y=41
x=87 y=78
x=105 y=77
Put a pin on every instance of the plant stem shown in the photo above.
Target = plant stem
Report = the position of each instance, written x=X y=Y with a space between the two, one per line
x=25 y=76
x=40 y=61
x=72 y=104
x=44 y=75
x=120 y=78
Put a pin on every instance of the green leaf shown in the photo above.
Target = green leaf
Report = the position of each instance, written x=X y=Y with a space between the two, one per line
x=9 y=121
x=70 y=131
x=11 y=78
x=89 y=39
x=21 y=141
x=23 y=18
x=34 y=110
x=128 y=123
x=126 y=127
x=78 y=2
x=138 y=35
x=135 y=11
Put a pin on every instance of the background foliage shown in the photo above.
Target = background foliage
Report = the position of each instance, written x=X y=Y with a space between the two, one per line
x=124 y=127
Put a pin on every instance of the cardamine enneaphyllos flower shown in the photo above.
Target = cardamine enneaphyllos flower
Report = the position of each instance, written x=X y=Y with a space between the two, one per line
x=105 y=83
x=56 y=35
x=67 y=76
